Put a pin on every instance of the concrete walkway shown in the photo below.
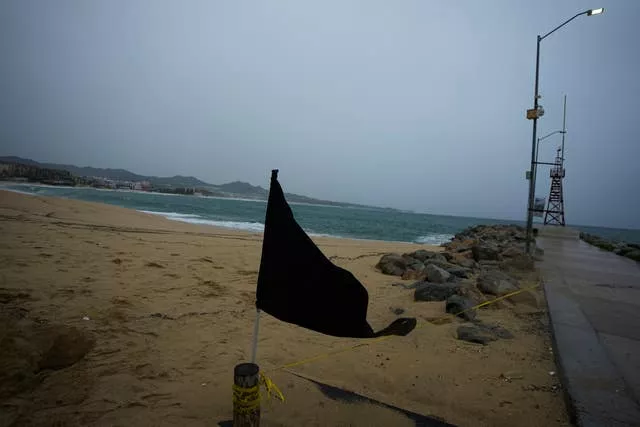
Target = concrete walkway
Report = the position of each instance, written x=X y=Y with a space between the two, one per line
x=594 y=306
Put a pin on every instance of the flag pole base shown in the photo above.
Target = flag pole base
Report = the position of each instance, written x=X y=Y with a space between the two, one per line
x=246 y=395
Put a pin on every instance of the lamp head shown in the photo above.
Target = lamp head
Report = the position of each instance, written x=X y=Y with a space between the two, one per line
x=592 y=12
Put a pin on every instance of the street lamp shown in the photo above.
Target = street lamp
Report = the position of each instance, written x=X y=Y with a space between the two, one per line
x=535 y=113
x=538 y=147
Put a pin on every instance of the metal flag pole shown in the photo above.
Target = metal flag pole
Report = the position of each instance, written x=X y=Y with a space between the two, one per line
x=254 y=346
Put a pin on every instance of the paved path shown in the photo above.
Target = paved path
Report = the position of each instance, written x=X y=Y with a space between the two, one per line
x=594 y=305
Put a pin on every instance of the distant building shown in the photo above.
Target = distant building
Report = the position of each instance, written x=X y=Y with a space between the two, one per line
x=142 y=186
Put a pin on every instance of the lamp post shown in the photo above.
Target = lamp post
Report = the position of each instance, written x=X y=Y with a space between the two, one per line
x=535 y=169
x=537 y=112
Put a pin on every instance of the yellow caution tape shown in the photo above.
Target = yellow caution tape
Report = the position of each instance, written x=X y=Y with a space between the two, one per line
x=247 y=399
x=271 y=387
x=375 y=340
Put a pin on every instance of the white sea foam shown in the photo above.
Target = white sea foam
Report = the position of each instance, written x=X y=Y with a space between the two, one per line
x=434 y=238
x=238 y=225
x=197 y=219
x=172 y=215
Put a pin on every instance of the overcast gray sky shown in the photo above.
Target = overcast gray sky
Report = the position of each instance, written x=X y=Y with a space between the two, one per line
x=411 y=104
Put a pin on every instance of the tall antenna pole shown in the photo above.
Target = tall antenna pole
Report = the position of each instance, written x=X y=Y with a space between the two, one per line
x=564 y=126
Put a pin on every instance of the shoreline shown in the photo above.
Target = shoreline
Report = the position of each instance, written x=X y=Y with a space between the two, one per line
x=244 y=226
x=174 y=225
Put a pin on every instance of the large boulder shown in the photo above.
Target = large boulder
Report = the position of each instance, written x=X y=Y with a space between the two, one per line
x=422 y=254
x=392 y=264
x=427 y=291
x=436 y=274
x=437 y=258
x=634 y=255
x=512 y=251
x=496 y=283
x=461 y=272
x=460 y=245
x=461 y=307
x=414 y=268
x=440 y=263
x=485 y=251
x=463 y=261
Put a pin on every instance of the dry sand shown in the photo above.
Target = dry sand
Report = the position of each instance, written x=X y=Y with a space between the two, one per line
x=170 y=308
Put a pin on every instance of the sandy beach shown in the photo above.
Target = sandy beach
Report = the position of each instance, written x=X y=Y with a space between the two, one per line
x=165 y=311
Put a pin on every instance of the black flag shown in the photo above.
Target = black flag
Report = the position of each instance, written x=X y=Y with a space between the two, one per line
x=298 y=284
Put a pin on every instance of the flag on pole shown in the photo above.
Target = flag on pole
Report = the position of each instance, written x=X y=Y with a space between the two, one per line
x=298 y=284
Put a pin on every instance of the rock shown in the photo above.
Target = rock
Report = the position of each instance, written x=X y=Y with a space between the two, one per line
x=436 y=274
x=411 y=274
x=511 y=251
x=489 y=264
x=454 y=279
x=437 y=258
x=68 y=347
x=496 y=283
x=414 y=268
x=467 y=254
x=475 y=334
x=463 y=261
x=459 y=272
x=497 y=330
x=442 y=264
x=460 y=245
x=634 y=255
x=427 y=291
x=482 y=333
x=392 y=264
x=468 y=289
x=461 y=307
x=485 y=252
x=448 y=256
x=422 y=254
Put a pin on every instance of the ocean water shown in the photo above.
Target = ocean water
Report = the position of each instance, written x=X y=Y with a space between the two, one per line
x=355 y=223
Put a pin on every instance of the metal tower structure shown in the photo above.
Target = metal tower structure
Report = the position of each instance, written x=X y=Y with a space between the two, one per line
x=554 y=215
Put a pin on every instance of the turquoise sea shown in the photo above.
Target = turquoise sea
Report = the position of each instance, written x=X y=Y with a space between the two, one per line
x=358 y=223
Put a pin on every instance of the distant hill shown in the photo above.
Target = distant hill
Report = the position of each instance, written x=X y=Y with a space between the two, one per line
x=115 y=174
x=231 y=189
x=239 y=187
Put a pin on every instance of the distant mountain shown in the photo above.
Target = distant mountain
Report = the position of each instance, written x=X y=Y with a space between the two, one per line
x=19 y=160
x=114 y=174
x=231 y=189
x=239 y=187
